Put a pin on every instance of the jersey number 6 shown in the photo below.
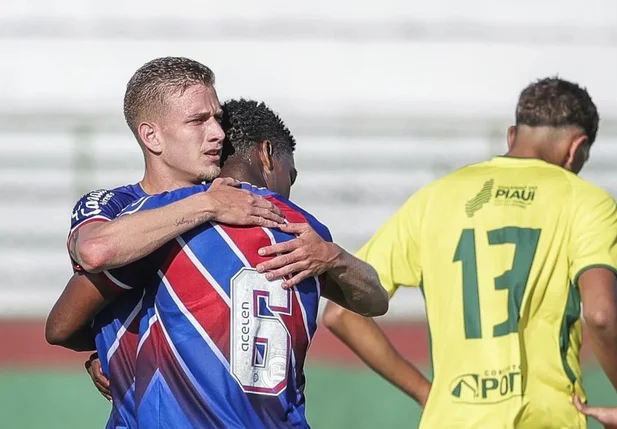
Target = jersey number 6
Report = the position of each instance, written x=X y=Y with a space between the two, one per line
x=261 y=345
x=514 y=280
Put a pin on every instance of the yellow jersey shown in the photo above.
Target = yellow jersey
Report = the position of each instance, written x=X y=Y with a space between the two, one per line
x=497 y=249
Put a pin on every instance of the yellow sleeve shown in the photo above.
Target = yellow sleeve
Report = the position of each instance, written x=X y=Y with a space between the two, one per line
x=594 y=232
x=394 y=250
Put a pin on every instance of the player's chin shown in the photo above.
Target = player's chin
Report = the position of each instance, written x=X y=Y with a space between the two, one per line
x=210 y=173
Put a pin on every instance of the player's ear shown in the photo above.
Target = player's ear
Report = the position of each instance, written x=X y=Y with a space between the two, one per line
x=578 y=154
x=266 y=154
x=149 y=137
x=511 y=136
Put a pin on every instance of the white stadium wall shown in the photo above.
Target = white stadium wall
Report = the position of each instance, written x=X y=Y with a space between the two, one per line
x=382 y=97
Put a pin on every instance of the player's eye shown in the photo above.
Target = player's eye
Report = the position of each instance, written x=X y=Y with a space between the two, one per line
x=199 y=119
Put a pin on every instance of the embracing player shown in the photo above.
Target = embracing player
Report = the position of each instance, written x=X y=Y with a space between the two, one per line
x=504 y=252
x=221 y=345
x=172 y=108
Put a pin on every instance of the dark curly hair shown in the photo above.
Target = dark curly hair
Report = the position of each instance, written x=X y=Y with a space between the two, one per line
x=247 y=123
x=554 y=102
x=153 y=82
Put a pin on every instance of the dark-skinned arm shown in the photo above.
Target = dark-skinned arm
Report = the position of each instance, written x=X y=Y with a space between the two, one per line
x=350 y=282
x=366 y=339
x=69 y=322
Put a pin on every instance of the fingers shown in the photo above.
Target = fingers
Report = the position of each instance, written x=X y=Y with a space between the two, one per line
x=297 y=279
x=606 y=416
x=259 y=221
x=585 y=409
x=267 y=210
x=263 y=203
x=241 y=207
x=225 y=181
x=267 y=214
x=286 y=270
x=94 y=369
x=579 y=405
x=295 y=228
x=93 y=357
x=103 y=391
x=284 y=247
x=280 y=262
x=98 y=375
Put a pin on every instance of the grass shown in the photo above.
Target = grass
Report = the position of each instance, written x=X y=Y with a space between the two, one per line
x=337 y=398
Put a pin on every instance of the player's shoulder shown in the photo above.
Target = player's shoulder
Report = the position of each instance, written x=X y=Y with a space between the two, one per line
x=451 y=187
x=293 y=212
x=421 y=197
x=104 y=203
x=569 y=187
x=501 y=169
x=148 y=202
x=584 y=188
x=134 y=190
x=315 y=223
x=102 y=196
x=589 y=197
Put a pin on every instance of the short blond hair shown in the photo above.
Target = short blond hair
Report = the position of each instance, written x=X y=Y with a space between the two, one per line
x=156 y=80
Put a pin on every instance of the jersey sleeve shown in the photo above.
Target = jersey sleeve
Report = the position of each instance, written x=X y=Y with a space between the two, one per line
x=134 y=275
x=101 y=205
x=594 y=232
x=122 y=279
x=394 y=250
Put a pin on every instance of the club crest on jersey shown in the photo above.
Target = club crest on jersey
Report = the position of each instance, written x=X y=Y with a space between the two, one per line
x=481 y=198
x=519 y=196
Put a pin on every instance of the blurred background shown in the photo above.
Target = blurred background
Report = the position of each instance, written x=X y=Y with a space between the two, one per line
x=383 y=97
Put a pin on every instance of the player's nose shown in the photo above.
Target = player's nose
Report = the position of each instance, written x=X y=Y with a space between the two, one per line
x=216 y=133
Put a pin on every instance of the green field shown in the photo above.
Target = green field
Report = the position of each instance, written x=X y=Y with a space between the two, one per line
x=337 y=398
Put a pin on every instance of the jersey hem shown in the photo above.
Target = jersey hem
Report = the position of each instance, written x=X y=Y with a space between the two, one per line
x=114 y=282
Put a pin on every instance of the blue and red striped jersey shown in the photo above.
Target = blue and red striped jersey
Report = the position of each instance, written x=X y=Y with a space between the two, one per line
x=116 y=327
x=102 y=205
x=222 y=347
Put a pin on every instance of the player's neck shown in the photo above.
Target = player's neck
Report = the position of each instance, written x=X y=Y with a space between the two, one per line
x=154 y=183
x=242 y=174
x=528 y=150
x=542 y=143
x=523 y=153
